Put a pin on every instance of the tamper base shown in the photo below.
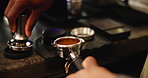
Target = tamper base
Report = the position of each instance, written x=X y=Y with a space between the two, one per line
x=11 y=54
x=20 y=45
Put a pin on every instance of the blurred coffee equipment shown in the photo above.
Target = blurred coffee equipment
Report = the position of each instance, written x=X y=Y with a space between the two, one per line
x=139 y=5
x=76 y=9
x=66 y=9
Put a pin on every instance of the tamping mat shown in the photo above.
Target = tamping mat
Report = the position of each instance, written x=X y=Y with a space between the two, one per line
x=11 y=54
x=43 y=50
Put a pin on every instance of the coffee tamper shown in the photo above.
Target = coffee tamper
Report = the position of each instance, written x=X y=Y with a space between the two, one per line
x=19 y=46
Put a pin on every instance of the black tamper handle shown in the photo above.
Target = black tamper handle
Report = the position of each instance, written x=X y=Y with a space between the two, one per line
x=78 y=63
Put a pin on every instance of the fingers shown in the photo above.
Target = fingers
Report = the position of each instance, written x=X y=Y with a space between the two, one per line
x=89 y=62
x=15 y=7
x=31 y=22
x=72 y=76
x=78 y=74
x=9 y=6
x=12 y=12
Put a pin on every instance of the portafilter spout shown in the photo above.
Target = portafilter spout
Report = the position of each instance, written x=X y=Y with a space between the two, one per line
x=76 y=59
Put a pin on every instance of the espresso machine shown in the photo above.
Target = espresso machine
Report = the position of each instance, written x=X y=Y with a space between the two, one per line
x=52 y=58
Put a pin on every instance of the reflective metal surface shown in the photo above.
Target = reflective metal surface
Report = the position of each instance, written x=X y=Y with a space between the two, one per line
x=64 y=50
x=74 y=7
x=20 y=33
x=69 y=47
x=83 y=32
x=20 y=42
x=20 y=45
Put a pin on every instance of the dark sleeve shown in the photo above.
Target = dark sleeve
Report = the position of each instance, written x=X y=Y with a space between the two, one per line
x=124 y=76
x=3 y=6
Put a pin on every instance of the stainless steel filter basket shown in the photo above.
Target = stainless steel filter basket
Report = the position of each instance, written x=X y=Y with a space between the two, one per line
x=83 y=32
x=67 y=45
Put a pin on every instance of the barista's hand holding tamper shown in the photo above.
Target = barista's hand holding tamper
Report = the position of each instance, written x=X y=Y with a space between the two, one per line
x=16 y=7
x=19 y=46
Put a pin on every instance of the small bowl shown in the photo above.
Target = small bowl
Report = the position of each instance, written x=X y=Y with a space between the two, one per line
x=83 y=32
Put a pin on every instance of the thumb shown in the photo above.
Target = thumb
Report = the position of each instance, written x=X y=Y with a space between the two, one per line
x=89 y=62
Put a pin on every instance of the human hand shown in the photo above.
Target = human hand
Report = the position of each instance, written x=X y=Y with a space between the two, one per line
x=92 y=70
x=16 y=7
